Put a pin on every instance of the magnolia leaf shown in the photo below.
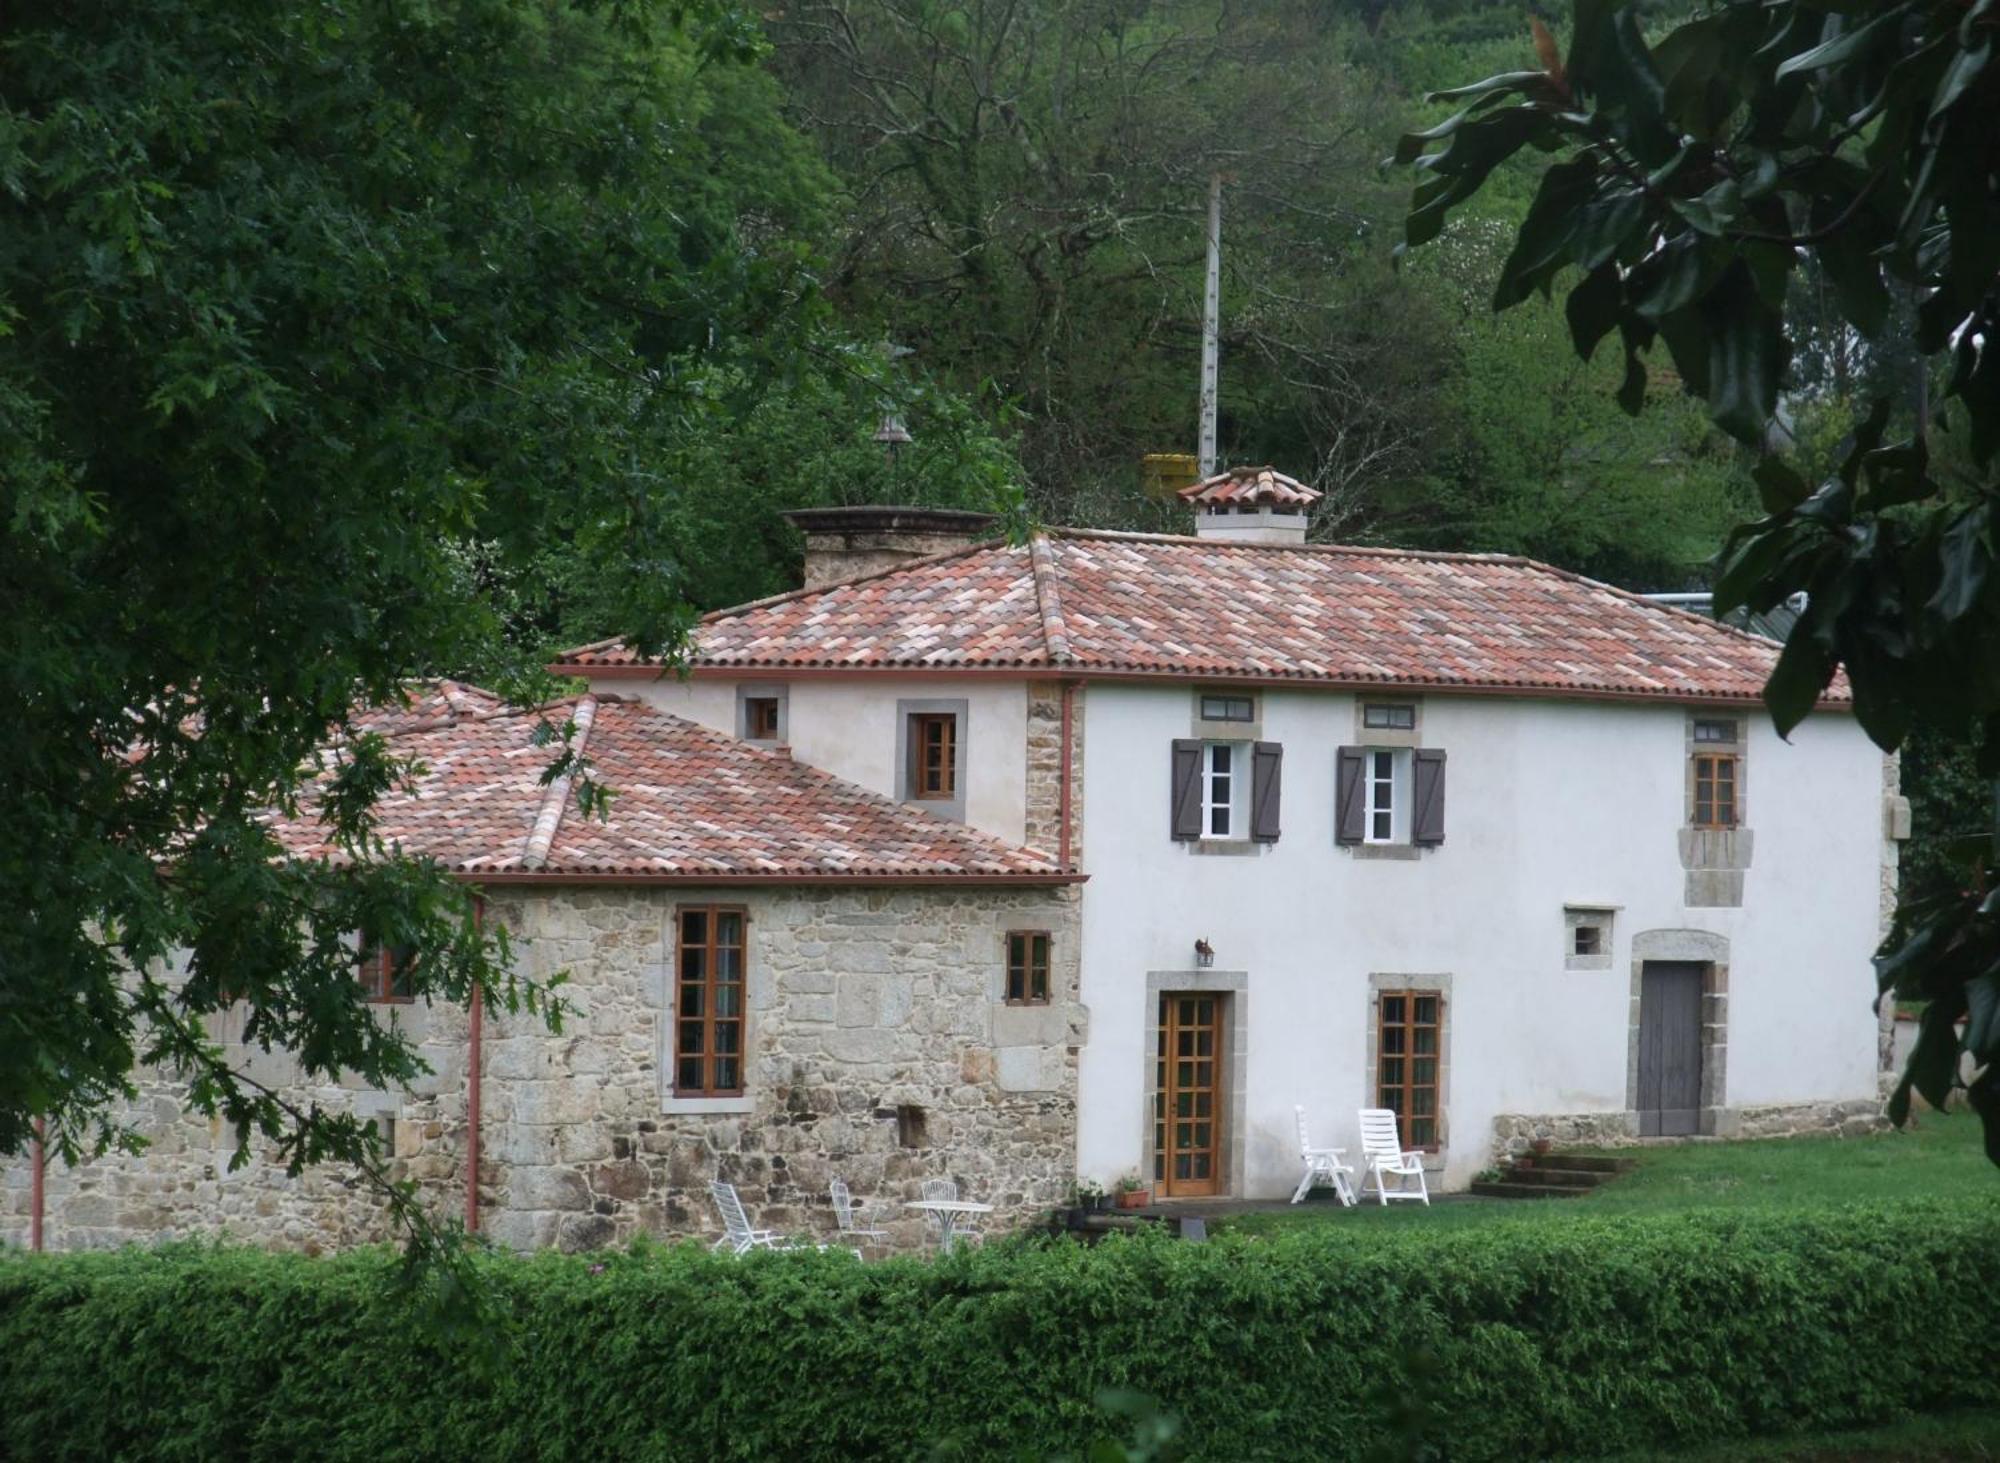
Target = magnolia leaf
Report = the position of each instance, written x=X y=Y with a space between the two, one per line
x=1800 y=676
x=1592 y=309
x=1966 y=555
x=1778 y=486
x=1844 y=44
x=1982 y=1026
x=1746 y=355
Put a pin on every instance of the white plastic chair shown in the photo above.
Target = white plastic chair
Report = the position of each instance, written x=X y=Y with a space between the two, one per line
x=942 y=1230
x=1382 y=1154
x=1322 y=1163
x=737 y=1235
x=843 y=1212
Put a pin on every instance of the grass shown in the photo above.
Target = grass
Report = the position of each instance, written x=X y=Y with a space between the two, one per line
x=1941 y=1157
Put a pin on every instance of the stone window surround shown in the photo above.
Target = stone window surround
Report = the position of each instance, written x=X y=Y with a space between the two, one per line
x=1378 y=982
x=1202 y=729
x=1605 y=916
x=952 y=808
x=1387 y=739
x=1234 y=987
x=1716 y=859
x=764 y=690
x=756 y=996
x=1711 y=952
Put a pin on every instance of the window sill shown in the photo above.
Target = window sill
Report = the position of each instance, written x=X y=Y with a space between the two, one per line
x=695 y=1106
x=1394 y=852
x=1225 y=847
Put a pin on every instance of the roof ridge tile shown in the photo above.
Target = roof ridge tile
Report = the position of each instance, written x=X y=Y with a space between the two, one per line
x=1048 y=596
x=555 y=798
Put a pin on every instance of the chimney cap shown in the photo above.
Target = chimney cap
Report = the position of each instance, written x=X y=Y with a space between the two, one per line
x=1250 y=487
x=888 y=518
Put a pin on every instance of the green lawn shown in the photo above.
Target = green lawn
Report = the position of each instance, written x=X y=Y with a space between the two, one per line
x=1959 y=1437
x=1940 y=1158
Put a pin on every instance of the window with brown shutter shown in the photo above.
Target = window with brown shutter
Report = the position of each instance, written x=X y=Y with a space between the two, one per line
x=1714 y=791
x=1027 y=967
x=933 y=756
x=709 y=1001
x=384 y=972
x=1409 y=1048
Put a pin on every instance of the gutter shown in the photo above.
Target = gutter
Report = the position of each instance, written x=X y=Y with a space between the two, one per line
x=523 y=876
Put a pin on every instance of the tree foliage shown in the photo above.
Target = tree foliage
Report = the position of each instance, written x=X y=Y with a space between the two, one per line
x=1700 y=171
x=340 y=343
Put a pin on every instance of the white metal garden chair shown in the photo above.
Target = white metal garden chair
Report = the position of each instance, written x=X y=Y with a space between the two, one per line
x=1383 y=1154
x=851 y=1225
x=1322 y=1163
x=737 y=1236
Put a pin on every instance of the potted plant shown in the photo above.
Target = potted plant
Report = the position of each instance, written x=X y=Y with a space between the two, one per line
x=1133 y=1192
x=1089 y=1197
x=1541 y=1146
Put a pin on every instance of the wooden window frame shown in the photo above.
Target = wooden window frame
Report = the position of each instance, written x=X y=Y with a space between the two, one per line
x=755 y=708
x=380 y=970
x=1718 y=802
x=1730 y=739
x=1407 y=1053
x=920 y=763
x=709 y=1020
x=1208 y=774
x=1023 y=987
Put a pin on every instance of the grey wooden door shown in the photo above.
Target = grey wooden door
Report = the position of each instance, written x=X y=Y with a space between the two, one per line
x=1669 y=1048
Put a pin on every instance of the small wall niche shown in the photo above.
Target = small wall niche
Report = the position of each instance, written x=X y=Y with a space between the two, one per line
x=1587 y=936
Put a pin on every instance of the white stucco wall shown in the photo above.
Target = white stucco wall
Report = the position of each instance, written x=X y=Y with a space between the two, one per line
x=1548 y=804
x=850 y=728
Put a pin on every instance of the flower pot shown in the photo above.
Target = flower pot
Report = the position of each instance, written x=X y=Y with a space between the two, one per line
x=1077 y=1216
x=1134 y=1198
x=1541 y=1146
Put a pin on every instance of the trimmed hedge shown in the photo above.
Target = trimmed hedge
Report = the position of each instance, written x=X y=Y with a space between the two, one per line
x=1569 y=1334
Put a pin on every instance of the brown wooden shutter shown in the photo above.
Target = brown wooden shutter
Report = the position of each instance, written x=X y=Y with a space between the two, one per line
x=1267 y=767
x=1349 y=810
x=1427 y=797
x=1184 y=808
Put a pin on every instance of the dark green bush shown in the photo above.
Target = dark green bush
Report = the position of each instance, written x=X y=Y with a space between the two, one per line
x=1518 y=1340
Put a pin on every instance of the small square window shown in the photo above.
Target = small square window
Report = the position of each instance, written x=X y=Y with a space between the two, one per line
x=1027 y=968
x=760 y=718
x=1389 y=716
x=1589 y=940
x=1715 y=731
x=1228 y=708
x=385 y=974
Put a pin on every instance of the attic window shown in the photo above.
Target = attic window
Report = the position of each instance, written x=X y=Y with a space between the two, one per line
x=1228 y=708
x=760 y=718
x=1589 y=940
x=1389 y=716
x=1715 y=731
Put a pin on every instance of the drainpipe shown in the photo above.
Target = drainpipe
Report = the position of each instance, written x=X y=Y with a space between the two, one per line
x=37 y=1196
x=1062 y=803
x=472 y=1116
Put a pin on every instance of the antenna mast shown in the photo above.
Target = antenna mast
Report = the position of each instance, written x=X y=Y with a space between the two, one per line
x=1211 y=312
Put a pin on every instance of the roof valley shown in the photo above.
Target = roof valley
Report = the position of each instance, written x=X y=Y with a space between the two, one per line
x=555 y=798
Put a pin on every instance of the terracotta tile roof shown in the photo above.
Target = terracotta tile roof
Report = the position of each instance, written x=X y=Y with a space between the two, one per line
x=1138 y=604
x=688 y=804
x=1251 y=487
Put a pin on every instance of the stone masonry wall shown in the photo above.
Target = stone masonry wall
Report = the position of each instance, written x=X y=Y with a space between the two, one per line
x=880 y=1049
x=1044 y=821
x=1513 y=1132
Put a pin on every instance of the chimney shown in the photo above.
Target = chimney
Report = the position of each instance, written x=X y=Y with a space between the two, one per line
x=843 y=543
x=1251 y=505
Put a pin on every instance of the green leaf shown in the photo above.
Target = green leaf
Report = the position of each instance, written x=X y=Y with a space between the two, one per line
x=1844 y=44
x=1592 y=309
x=1544 y=240
x=1966 y=68
x=1983 y=1094
x=1982 y=1026
x=1778 y=487
x=1797 y=680
x=1746 y=355
x=1857 y=280
x=1966 y=555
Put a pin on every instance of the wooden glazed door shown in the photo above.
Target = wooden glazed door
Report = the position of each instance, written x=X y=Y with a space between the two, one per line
x=1187 y=1095
x=1669 y=1049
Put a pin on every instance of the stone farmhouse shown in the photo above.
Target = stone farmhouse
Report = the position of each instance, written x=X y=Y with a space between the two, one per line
x=1096 y=856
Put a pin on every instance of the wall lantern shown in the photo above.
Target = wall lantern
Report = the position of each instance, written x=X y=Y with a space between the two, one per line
x=1204 y=954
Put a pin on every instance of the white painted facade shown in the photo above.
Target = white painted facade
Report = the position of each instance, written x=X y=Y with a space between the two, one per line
x=851 y=728
x=1549 y=804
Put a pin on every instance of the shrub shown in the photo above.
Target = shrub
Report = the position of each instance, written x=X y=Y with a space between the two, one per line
x=1579 y=1335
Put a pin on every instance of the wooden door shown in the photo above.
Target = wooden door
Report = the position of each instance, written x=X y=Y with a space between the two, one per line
x=1187 y=1095
x=1669 y=1049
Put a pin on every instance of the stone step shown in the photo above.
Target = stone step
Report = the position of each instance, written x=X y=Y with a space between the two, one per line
x=1548 y=1174
x=1503 y=1189
x=1576 y=1162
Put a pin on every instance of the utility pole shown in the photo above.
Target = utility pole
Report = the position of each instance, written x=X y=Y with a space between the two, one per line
x=1211 y=325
